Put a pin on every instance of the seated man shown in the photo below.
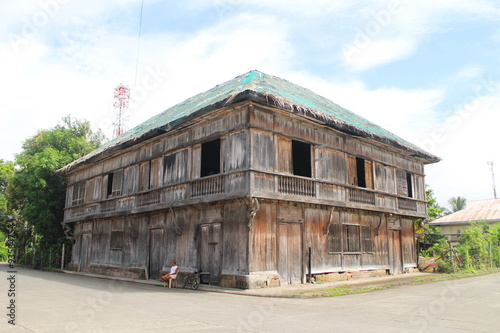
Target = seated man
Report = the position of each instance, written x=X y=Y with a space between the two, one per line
x=172 y=275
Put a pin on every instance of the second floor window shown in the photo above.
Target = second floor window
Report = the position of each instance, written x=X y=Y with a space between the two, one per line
x=360 y=172
x=404 y=181
x=210 y=158
x=78 y=193
x=301 y=159
x=114 y=184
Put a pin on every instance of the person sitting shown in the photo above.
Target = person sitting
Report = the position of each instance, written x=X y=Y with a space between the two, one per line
x=174 y=269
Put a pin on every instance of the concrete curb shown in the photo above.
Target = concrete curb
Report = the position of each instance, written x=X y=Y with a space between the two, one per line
x=287 y=291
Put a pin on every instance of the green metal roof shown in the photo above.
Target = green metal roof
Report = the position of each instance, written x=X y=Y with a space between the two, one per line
x=271 y=89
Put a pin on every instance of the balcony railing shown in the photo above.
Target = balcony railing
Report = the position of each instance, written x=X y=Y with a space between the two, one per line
x=361 y=196
x=207 y=186
x=296 y=186
x=264 y=184
x=150 y=198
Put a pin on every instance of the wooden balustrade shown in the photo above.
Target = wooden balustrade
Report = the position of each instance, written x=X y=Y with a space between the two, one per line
x=207 y=186
x=361 y=196
x=296 y=186
x=149 y=198
x=214 y=185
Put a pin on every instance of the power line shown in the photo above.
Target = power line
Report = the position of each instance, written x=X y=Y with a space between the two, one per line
x=138 y=45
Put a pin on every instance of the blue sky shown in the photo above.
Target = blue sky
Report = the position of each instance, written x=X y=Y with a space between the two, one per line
x=427 y=70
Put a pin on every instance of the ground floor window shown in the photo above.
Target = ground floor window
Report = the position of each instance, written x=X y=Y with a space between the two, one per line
x=350 y=238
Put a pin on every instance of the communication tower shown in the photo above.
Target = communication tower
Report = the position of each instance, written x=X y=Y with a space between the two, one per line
x=122 y=97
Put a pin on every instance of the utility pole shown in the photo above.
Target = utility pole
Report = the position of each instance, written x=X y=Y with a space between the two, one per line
x=490 y=163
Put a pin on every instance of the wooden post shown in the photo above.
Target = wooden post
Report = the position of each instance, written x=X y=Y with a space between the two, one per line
x=62 y=256
x=310 y=265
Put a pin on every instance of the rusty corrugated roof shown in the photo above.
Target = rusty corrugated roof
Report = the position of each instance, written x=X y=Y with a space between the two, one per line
x=475 y=211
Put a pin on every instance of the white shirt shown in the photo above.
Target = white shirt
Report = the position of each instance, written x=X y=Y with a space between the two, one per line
x=172 y=271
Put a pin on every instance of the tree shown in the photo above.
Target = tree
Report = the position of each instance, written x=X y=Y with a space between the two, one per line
x=35 y=190
x=457 y=203
x=479 y=246
x=430 y=235
x=6 y=174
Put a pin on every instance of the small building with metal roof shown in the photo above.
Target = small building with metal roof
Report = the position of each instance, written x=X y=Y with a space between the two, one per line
x=453 y=225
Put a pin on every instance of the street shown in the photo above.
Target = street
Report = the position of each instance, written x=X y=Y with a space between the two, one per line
x=56 y=302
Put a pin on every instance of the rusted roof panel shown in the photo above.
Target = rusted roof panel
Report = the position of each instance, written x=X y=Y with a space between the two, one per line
x=475 y=211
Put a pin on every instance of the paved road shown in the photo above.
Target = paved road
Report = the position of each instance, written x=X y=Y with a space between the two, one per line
x=54 y=302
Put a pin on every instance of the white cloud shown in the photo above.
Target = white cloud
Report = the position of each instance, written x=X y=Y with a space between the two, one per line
x=371 y=53
x=393 y=30
x=466 y=141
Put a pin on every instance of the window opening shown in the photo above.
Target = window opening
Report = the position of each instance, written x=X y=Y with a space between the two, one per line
x=109 y=191
x=409 y=185
x=360 y=172
x=210 y=158
x=115 y=181
x=301 y=159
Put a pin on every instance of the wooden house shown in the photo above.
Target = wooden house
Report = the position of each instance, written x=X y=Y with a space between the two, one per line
x=256 y=182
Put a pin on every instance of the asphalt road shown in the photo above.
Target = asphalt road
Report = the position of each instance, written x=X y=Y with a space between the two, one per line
x=56 y=302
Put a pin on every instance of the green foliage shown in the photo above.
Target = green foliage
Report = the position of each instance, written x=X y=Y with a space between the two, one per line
x=474 y=247
x=430 y=234
x=440 y=249
x=434 y=210
x=35 y=191
x=4 y=250
x=6 y=174
x=457 y=203
x=443 y=266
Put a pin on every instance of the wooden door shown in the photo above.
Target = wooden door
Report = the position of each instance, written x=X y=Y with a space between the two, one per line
x=290 y=252
x=395 y=255
x=85 y=251
x=156 y=246
x=211 y=251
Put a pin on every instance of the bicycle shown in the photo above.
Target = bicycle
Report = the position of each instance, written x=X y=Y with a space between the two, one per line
x=193 y=279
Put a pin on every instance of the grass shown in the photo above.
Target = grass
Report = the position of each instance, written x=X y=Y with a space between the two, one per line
x=347 y=289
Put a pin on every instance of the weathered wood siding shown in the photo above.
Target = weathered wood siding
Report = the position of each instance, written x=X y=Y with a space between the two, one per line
x=263 y=151
x=149 y=205
x=263 y=247
x=408 y=243
x=271 y=239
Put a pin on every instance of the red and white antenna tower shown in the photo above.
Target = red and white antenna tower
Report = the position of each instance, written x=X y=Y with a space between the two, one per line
x=122 y=97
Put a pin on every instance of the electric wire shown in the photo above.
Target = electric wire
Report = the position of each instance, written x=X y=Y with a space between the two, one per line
x=138 y=45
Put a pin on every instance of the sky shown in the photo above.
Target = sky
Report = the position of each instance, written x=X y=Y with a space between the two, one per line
x=427 y=71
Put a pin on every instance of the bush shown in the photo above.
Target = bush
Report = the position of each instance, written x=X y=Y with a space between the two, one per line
x=443 y=267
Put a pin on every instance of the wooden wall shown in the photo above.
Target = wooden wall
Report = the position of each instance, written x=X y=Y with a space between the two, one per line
x=274 y=130
x=151 y=241
x=265 y=253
